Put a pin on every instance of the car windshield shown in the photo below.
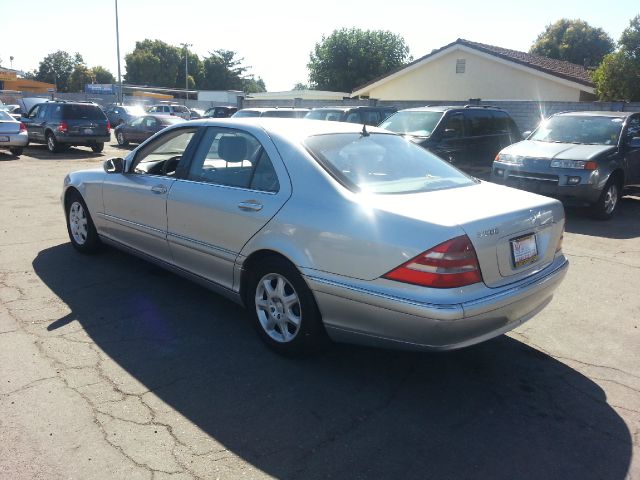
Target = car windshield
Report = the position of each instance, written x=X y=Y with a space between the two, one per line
x=246 y=113
x=420 y=124
x=170 y=120
x=138 y=111
x=582 y=129
x=331 y=115
x=82 y=112
x=383 y=163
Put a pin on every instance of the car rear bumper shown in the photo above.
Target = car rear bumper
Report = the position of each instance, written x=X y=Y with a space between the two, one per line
x=15 y=140
x=83 y=139
x=355 y=315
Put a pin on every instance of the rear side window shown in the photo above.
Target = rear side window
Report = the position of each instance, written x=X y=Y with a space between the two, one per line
x=479 y=122
x=82 y=112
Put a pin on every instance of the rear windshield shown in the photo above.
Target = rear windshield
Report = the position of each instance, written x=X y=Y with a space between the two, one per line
x=420 y=124
x=281 y=113
x=383 y=163
x=331 y=115
x=82 y=112
x=590 y=130
x=5 y=116
x=246 y=113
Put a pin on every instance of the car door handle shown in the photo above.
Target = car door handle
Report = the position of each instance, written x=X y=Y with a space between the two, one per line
x=159 y=189
x=250 y=206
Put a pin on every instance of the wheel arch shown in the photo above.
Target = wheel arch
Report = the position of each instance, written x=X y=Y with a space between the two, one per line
x=254 y=259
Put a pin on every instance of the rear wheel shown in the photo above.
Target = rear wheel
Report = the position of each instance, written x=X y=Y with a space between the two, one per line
x=121 y=140
x=283 y=308
x=97 y=147
x=52 y=144
x=607 y=204
x=82 y=231
x=17 y=151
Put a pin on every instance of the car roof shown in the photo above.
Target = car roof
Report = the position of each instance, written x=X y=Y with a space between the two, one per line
x=272 y=109
x=355 y=107
x=595 y=113
x=445 y=108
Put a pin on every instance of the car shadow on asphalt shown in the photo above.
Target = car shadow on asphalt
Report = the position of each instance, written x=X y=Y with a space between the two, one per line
x=624 y=224
x=497 y=410
x=40 y=152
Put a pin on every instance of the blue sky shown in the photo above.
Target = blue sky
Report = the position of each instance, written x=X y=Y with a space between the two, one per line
x=276 y=37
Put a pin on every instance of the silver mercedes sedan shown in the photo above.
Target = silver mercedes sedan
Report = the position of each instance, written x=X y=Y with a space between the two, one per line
x=327 y=230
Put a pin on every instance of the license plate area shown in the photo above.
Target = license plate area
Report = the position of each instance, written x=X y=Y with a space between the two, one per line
x=4 y=138
x=524 y=250
x=88 y=131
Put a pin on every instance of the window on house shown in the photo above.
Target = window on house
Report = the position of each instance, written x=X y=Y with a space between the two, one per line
x=461 y=64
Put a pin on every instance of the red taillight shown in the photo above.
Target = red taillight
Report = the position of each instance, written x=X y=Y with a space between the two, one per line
x=23 y=127
x=63 y=127
x=451 y=264
x=108 y=125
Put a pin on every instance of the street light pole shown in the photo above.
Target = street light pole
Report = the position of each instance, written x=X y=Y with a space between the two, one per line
x=118 y=48
x=186 y=70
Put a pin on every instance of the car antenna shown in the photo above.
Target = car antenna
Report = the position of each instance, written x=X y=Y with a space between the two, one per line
x=364 y=132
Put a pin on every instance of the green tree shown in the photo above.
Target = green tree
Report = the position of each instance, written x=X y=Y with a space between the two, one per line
x=154 y=62
x=102 y=75
x=574 y=41
x=300 y=86
x=351 y=57
x=80 y=76
x=223 y=71
x=57 y=68
x=618 y=76
x=196 y=70
x=251 y=85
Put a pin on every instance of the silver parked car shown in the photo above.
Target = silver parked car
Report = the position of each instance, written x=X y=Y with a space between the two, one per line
x=327 y=228
x=13 y=134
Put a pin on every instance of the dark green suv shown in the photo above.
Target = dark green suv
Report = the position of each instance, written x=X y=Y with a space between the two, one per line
x=61 y=124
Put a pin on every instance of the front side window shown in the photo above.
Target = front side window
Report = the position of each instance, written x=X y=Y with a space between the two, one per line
x=233 y=158
x=584 y=129
x=383 y=163
x=163 y=156
x=479 y=123
x=137 y=122
x=416 y=123
x=633 y=128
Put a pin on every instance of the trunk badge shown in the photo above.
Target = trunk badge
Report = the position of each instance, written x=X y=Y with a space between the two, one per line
x=488 y=233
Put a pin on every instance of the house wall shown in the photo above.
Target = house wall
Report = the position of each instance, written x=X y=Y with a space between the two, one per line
x=483 y=78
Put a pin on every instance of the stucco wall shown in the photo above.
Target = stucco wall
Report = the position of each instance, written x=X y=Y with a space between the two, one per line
x=483 y=78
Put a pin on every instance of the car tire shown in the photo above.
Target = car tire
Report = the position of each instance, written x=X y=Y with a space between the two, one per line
x=17 y=151
x=82 y=232
x=283 y=309
x=52 y=144
x=607 y=204
x=97 y=147
x=121 y=140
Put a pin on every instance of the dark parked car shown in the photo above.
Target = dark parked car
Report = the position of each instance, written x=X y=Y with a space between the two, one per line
x=124 y=114
x=581 y=158
x=363 y=115
x=468 y=137
x=220 y=112
x=142 y=128
x=61 y=124
x=277 y=112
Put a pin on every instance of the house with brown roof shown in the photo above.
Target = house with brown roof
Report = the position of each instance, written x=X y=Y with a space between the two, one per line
x=464 y=69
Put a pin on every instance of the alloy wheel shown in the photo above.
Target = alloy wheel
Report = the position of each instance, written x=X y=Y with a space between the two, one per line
x=611 y=198
x=78 y=223
x=278 y=307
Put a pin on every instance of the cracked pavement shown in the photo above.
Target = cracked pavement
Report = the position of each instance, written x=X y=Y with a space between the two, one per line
x=111 y=368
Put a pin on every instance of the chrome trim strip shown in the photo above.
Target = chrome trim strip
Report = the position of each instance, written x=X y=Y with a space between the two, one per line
x=202 y=247
x=386 y=296
x=136 y=226
x=232 y=187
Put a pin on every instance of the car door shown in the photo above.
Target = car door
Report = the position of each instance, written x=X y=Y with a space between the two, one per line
x=449 y=141
x=133 y=131
x=35 y=123
x=235 y=184
x=632 y=155
x=135 y=202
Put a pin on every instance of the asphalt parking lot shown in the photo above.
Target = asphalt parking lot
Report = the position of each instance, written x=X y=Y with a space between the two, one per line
x=111 y=368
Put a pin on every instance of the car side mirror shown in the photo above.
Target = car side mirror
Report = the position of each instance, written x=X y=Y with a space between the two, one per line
x=634 y=142
x=114 y=165
x=526 y=134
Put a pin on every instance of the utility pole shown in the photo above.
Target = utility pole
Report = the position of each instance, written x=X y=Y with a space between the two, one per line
x=118 y=48
x=186 y=70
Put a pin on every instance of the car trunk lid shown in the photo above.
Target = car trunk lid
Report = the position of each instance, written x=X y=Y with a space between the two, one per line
x=9 y=127
x=514 y=233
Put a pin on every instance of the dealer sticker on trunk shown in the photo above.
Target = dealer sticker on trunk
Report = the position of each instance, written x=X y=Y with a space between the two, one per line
x=524 y=250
